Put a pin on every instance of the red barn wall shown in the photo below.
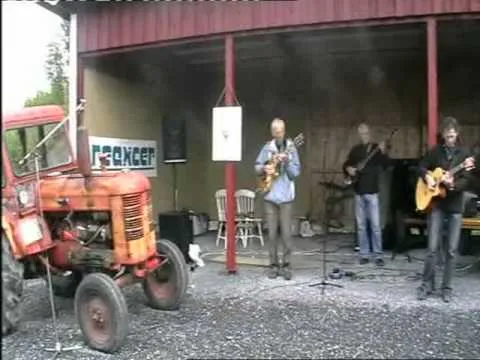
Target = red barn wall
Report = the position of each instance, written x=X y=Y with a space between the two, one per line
x=110 y=26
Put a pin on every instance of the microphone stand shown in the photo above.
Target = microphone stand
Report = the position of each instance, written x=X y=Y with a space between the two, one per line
x=325 y=281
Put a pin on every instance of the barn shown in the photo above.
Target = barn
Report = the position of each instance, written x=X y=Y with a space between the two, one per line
x=323 y=66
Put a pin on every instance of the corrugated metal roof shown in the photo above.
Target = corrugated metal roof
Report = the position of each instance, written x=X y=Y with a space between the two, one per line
x=107 y=25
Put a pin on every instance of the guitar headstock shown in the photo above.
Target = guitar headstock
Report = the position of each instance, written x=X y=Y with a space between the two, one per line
x=394 y=131
x=299 y=140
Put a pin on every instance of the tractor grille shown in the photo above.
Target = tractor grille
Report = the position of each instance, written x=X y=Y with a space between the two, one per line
x=133 y=216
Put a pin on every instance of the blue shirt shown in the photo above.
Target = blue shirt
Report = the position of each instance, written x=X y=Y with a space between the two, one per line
x=283 y=189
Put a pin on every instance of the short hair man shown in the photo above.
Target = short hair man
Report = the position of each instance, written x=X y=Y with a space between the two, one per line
x=279 y=200
x=366 y=187
x=446 y=156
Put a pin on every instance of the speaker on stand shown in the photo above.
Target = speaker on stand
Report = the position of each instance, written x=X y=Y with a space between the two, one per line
x=174 y=149
x=175 y=225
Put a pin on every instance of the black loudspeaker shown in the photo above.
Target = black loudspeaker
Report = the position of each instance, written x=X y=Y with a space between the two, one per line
x=174 y=137
x=402 y=203
x=177 y=226
x=403 y=184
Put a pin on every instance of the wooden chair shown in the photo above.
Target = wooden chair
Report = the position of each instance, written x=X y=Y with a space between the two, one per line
x=221 y=201
x=251 y=225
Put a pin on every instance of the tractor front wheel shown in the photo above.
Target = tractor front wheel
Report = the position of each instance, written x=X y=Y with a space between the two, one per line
x=165 y=287
x=101 y=312
x=12 y=288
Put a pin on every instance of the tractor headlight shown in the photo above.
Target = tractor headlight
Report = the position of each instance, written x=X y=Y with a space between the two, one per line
x=26 y=195
x=23 y=197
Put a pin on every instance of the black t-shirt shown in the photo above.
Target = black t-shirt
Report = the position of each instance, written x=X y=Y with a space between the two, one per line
x=447 y=158
x=368 y=178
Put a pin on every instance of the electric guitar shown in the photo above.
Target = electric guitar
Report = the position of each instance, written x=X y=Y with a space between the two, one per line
x=350 y=180
x=266 y=181
x=424 y=196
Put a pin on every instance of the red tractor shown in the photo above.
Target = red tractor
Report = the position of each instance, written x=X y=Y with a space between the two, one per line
x=88 y=233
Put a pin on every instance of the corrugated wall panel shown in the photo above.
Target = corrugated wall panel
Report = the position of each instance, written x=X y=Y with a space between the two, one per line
x=127 y=24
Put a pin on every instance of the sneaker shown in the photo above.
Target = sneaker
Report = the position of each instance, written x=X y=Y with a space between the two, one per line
x=447 y=295
x=379 y=262
x=422 y=292
x=273 y=272
x=363 y=261
x=286 y=272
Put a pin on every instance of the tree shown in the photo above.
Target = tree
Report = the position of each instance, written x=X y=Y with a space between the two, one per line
x=56 y=67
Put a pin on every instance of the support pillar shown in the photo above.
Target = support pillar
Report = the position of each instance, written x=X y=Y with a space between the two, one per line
x=230 y=170
x=432 y=79
x=73 y=83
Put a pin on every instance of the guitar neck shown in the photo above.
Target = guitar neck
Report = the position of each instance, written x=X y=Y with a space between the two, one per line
x=456 y=169
x=363 y=163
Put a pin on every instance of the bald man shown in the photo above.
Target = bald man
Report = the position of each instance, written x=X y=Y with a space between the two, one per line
x=367 y=207
x=279 y=200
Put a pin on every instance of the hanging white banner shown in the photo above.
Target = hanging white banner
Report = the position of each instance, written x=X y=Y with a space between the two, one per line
x=227 y=133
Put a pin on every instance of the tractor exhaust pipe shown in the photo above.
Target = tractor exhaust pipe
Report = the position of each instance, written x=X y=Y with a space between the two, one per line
x=83 y=146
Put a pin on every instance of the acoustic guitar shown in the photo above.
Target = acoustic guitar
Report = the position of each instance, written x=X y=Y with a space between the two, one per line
x=350 y=180
x=424 y=196
x=265 y=181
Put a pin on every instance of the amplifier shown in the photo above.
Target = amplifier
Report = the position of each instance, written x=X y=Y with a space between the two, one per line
x=177 y=226
x=472 y=206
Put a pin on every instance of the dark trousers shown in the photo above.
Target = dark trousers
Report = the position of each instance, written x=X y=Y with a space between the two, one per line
x=279 y=215
x=435 y=235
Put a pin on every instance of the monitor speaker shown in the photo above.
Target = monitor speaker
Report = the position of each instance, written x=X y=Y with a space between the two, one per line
x=177 y=226
x=174 y=136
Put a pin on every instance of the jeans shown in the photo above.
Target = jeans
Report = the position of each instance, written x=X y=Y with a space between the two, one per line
x=435 y=232
x=367 y=211
x=279 y=214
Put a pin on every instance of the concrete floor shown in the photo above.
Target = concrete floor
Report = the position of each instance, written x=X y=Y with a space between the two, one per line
x=374 y=315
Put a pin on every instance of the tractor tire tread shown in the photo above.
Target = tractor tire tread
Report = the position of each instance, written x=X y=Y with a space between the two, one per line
x=12 y=288
x=172 y=251
x=107 y=289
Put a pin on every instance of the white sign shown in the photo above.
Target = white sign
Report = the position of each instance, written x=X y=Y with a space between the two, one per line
x=227 y=133
x=136 y=155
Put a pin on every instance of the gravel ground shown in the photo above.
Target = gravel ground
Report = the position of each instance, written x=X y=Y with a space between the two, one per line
x=249 y=316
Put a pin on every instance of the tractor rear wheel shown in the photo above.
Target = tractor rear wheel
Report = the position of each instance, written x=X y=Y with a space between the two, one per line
x=12 y=288
x=101 y=312
x=165 y=287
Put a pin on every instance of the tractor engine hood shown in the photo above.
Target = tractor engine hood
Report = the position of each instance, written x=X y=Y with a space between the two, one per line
x=64 y=192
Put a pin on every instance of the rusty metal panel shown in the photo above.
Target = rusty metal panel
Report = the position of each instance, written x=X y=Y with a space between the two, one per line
x=132 y=24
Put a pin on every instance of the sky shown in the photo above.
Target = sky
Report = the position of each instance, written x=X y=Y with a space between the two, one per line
x=27 y=28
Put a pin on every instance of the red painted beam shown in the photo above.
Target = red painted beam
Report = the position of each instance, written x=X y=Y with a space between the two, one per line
x=230 y=170
x=432 y=81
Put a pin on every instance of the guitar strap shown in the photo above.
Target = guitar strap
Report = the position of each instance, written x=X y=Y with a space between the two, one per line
x=369 y=148
x=281 y=148
x=450 y=154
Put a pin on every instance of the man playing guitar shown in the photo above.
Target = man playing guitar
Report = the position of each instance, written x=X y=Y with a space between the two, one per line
x=366 y=186
x=450 y=208
x=279 y=199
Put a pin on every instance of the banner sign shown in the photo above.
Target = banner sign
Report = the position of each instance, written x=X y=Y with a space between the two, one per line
x=136 y=155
